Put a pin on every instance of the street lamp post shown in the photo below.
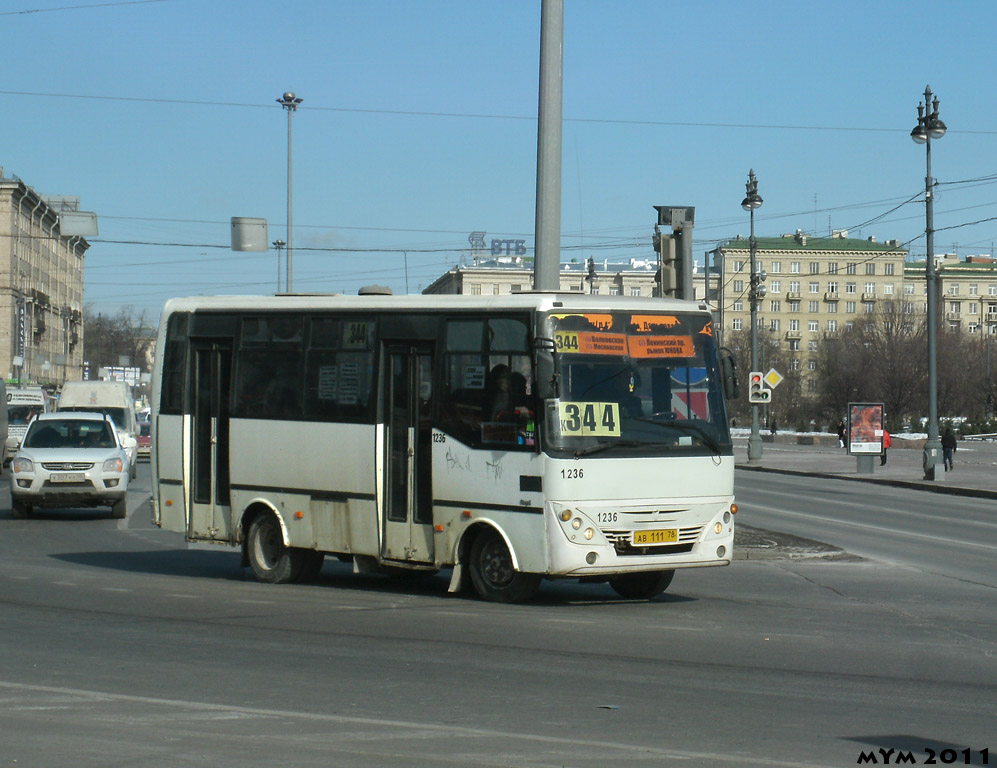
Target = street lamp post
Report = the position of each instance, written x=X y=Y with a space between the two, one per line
x=752 y=201
x=289 y=102
x=279 y=245
x=930 y=127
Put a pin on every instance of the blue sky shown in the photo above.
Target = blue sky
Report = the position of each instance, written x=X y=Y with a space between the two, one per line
x=418 y=126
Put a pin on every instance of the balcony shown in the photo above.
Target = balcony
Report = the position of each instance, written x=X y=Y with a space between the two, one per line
x=956 y=316
x=868 y=297
x=831 y=296
x=794 y=335
x=793 y=295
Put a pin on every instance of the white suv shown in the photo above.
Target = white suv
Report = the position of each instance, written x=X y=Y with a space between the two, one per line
x=70 y=459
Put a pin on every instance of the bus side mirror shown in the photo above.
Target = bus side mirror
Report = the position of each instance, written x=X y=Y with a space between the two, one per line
x=728 y=372
x=546 y=385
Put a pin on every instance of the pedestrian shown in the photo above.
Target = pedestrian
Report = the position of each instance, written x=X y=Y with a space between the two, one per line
x=887 y=443
x=841 y=433
x=948 y=448
x=773 y=427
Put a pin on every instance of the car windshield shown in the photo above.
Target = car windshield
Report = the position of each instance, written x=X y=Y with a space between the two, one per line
x=118 y=415
x=70 y=433
x=636 y=383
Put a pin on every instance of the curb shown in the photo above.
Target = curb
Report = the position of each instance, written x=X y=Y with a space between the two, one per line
x=979 y=493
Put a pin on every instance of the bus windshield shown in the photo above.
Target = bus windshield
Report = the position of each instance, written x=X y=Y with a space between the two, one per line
x=635 y=382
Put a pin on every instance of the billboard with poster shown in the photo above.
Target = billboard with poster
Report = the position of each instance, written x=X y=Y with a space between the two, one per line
x=865 y=428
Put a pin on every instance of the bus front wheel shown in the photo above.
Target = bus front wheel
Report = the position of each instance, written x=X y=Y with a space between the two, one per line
x=641 y=586
x=271 y=561
x=493 y=574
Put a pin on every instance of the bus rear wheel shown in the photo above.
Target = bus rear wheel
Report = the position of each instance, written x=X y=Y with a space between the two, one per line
x=271 y=561
x=493 y=574
x=641 y=586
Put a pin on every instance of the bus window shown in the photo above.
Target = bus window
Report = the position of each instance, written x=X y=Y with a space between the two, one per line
x=488 y=383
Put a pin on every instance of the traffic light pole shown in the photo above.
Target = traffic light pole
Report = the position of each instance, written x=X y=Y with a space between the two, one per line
x=751 y=201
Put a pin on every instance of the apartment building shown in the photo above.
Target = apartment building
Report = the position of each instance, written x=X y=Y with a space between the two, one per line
x=41 y=287
x=815 y=287
x=967 y=292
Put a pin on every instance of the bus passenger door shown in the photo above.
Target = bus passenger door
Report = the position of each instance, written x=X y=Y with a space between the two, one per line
x=209 y=517
x=408 y=491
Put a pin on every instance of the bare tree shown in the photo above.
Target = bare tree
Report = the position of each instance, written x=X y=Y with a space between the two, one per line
x=124 y=339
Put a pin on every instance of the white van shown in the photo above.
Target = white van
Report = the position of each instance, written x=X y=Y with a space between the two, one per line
x=111 y=397
x=23 y=404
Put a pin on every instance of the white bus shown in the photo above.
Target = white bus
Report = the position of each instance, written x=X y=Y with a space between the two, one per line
x=510 y=438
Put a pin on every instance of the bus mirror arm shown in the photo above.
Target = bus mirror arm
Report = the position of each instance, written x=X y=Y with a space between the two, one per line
x=728 y=372
x=548 y=369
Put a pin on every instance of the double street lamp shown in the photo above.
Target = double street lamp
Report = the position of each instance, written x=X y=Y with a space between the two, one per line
x=929 y=127
x=289 y=102
x=752 y=201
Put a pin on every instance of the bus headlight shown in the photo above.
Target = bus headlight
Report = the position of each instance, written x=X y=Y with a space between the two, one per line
x=589 y=533
x=565 y=515
x=576 y=523
x=718 y=528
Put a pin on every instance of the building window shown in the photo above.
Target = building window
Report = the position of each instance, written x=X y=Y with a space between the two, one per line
x=776 y=267
x=832 y=268
x=850 y=269
x=868 y=307
x=812 y=326
x=832 y=306
x=738 y=306
x=849 y=325
x=794 y=286
x=794 y=364
x=888 y=269
x=992 y=289
x=614 y=290
x=476 y=289
x=908 y=289
x=794 y=345
x=832 y=326
x=495 y=289
x=850 y=307
x=812 y=345
x=954 y=306
x=811 y=365
x=953 y=289
x=832 y=286
x=794 y=306
x=774 y=324
x=739 y=266
x=851 y=288
x=635 y=291
x=775 y=305
x=814 y=307
x=811 y=385
x=738 y=286
x=870 y=267
x=775 y=287
x=814 y=267
x=794 y=325
x=595 y=290
x=870 y=287
x=974 y=308
x=736 y=324
x=814 y=287
x=794 y=267
x=973 y=289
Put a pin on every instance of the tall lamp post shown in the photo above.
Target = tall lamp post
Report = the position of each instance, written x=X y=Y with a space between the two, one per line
x=279 y=245
x=752 y=201
x=289 y=102
x=930 y=127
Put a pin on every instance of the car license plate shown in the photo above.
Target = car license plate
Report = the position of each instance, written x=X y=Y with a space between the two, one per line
x=661 y=536
x=67 y=477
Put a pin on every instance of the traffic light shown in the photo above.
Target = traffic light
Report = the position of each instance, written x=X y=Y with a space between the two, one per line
x=757 y=391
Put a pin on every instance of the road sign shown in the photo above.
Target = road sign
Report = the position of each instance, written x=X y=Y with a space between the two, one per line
x=773 y=378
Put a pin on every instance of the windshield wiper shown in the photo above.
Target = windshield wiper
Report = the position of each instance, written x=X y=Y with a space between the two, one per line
x=687 y=427
x=606 y=446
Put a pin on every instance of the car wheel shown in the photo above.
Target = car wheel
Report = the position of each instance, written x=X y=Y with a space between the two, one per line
x=493 y=574
x=19 y=509
x=271 y=561
x=119 y=509
x=641 y=586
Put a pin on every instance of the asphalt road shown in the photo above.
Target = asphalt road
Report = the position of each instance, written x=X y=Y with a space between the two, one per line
x=119 y=645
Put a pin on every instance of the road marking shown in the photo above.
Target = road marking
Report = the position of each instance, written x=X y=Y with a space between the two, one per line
x=644 y=752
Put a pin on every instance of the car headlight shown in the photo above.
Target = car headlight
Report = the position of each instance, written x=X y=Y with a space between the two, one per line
x=23 y=465
x=114 y=465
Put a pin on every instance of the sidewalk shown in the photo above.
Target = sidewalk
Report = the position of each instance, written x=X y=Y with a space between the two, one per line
x=974 y=472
